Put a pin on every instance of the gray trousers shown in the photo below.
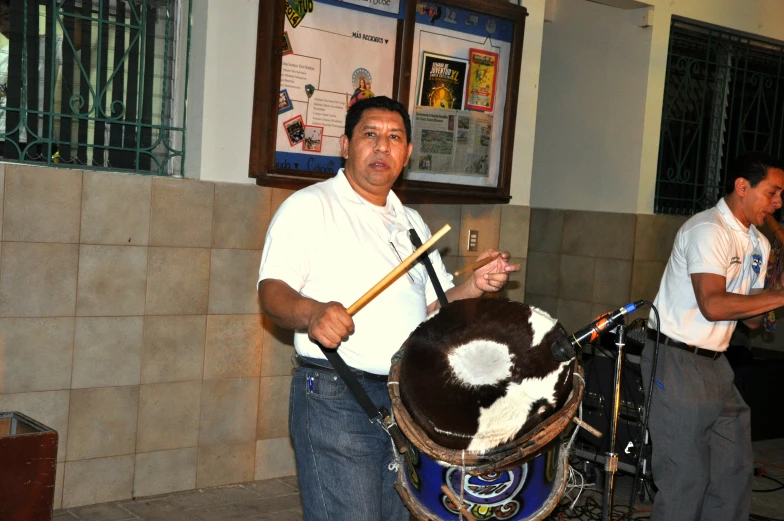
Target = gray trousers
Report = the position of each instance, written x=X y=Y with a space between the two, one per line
x=700 y=430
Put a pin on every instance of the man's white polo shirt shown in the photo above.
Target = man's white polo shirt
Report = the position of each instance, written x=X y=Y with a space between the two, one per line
x=713 y=241
x=329 y=244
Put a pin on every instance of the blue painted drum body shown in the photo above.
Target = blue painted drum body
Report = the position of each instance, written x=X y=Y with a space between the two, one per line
x=526 y=492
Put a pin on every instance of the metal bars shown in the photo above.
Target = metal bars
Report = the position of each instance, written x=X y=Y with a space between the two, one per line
x=723 y=96
x=89 y=83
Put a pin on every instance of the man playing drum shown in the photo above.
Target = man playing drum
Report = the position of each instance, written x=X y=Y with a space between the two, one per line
x=699 y=424
x=325 y=247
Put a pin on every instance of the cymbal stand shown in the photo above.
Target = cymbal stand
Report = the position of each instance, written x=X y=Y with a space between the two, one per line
x=611 y=461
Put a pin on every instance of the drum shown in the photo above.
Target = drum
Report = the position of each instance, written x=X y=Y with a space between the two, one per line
x=483 y=404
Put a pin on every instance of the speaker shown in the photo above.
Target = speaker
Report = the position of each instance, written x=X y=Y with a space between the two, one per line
x=598 y=411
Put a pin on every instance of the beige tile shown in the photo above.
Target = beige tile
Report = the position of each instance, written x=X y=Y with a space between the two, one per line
x=576 y=277
x=274 y=459
x=42 y=204
x=228 y=411
x=2 y=196
x=38 y=280
x=102 y=422
x=107 y=351
x=515 y=226
x=35 y=354
x=116 y=209
x=484 y=218
x=599 y=234
x=546 y=230
x=112 y=280
x=655 y=236
x=49 y=408
x=168 y=416
x=242 y=214
x=573 y=314
x=181 y=213
x=233 y=276
x=225 y=464
x=549 y=304
x=273 y=416
x=98 y=481
x=58 y=486
x=542 y=273
x=646 y=277
x=612 y=282
x=165 y=472
x=515 y=288
x=277 y=350
x=233 y=346
x=173 y=348
x=436 y=216
x=178 y=281
x=278 y=196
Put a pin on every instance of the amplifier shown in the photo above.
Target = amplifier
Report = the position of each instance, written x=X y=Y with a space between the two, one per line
x=597 y=412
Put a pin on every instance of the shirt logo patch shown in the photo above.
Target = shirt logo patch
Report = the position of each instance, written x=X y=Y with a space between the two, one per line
x=756 y=263
x=734 y=260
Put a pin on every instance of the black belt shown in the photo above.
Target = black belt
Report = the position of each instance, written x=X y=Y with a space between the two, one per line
x=358 y=372
x=664 y=339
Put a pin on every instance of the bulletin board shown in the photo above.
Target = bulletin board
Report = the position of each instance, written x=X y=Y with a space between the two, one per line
x=454 y=65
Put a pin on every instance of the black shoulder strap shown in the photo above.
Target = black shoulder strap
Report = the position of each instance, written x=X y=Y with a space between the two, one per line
x=425 y=259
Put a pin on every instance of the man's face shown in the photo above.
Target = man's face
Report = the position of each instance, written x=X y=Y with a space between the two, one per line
x=763 y=199
x=376 y=153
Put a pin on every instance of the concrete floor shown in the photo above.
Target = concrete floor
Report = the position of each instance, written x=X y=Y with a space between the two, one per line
x=279 y=499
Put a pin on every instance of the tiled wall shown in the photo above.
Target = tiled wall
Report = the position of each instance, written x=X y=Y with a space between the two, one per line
x=129 y=323
x=582 y=264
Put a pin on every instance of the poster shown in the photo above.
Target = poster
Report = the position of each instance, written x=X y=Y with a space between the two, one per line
x=442 y=81
x=482 y=72
x=318 y=89
x=451 y=141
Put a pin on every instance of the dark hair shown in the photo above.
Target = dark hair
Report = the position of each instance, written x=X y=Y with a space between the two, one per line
x=376 y=102
x=751 y=166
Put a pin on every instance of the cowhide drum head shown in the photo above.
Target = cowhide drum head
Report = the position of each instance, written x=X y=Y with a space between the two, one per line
x=480 y=373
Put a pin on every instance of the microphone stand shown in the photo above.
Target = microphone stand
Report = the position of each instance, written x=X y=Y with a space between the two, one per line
x=611 y=461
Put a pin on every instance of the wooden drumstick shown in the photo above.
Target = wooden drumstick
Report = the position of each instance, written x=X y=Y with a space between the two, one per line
x=395 y=273
x=463 y=509
x=775 y=227
x=587 y=427
x=475 y=265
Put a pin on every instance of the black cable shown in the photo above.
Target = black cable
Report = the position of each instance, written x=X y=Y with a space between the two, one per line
x=781 y=485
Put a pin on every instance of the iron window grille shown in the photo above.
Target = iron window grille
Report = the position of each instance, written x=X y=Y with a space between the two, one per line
x=723 y=96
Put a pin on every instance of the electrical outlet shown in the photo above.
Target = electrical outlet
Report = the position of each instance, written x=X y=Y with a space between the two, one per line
x=473 y=239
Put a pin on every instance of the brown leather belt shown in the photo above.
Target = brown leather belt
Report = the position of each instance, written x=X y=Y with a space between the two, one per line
x=664 y=339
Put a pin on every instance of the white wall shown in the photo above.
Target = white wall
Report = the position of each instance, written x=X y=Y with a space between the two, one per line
x=591 y=111
x=220 y=93
x=220 y=97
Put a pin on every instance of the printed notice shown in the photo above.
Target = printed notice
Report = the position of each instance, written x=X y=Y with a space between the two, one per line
x=328 y=110
x=388 y=6
x=297 y=72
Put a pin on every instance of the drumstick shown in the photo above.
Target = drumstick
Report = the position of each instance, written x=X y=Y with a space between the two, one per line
x=460 y=506
x=395 y=273
x=587 y=427
x=775 y=227
x=475 y=265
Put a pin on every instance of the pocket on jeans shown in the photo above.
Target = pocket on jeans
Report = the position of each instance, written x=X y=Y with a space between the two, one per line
x=324 y=385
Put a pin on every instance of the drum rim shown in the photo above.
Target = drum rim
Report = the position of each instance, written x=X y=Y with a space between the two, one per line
x=499 y=457
x=422 y=513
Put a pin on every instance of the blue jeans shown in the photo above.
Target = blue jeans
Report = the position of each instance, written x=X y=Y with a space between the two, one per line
x=342 y=459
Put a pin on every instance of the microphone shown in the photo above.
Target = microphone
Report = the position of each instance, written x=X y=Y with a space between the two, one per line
x=565 y=348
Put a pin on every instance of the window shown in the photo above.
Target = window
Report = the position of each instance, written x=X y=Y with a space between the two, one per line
x=90 y=83
x=724 y=95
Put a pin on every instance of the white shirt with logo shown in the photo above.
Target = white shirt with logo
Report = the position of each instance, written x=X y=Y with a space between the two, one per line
x=713 y=241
